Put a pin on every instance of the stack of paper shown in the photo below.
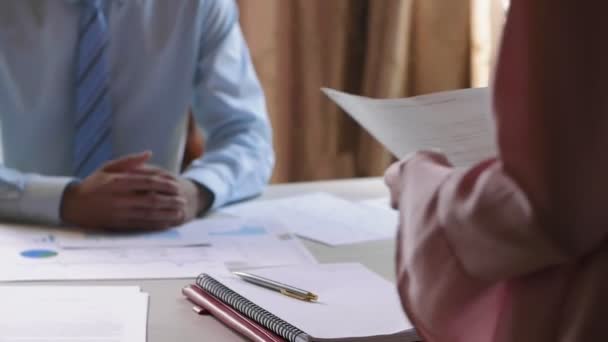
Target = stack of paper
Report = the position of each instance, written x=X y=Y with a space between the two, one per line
x=70 y=313
x=324 y=218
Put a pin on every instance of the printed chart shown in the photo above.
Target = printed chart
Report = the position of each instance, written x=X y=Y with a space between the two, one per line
x=231 y=242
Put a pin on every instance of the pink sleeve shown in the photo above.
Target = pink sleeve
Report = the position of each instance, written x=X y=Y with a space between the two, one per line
x=539 y=204
x=461 y=233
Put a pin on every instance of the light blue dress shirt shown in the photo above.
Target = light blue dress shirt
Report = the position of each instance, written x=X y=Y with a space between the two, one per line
x=165 y=56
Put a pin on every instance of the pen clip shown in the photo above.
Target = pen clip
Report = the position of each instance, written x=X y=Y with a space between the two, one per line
x=306 y=298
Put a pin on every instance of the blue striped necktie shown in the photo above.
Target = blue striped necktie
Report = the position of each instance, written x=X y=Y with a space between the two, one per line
x=93 y=121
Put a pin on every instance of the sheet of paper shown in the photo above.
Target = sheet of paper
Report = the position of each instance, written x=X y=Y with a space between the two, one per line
x=324 y=218
x=236 y=243
x=353 y=301
x=72 y=313
x=69 y=237
x=458 y=123
x=45 y=263
x=17 y=234
x=381 y=202
x=190 y=234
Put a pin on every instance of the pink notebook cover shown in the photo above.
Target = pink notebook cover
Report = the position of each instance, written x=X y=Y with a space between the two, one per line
x=229 y=316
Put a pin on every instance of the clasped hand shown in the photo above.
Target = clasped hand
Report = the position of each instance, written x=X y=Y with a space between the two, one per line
x=127 y=194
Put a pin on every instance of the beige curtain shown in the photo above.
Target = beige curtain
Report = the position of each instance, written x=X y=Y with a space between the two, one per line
x=487 y=20
x=378 y=48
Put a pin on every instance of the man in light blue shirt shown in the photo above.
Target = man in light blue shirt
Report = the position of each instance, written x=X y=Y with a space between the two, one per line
x=88 y=86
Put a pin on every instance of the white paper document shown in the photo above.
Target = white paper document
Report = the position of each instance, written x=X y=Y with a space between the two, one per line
x=73 y=314
x=458 y=123
x=353 y=301
x=233 y=242
x=324 y=218
x=189 y=234
x=381 y=202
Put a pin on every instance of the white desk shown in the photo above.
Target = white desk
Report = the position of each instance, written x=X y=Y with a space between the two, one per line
x=171 y=318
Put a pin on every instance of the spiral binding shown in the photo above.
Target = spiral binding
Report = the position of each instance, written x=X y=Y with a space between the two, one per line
x=249 y=309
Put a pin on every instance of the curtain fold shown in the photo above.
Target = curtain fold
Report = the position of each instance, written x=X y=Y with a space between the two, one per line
x=388 y=48
x=487 y=20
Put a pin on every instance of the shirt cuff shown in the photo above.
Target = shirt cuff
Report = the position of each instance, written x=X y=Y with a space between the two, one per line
x=213 y=181
x=41 y=200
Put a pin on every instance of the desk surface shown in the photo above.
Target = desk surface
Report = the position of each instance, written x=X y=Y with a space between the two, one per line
x=171 y=317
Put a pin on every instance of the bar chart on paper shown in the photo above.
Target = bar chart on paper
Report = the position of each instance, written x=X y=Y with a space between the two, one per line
x=242 y=231
x=324 y=218
x=191 y=234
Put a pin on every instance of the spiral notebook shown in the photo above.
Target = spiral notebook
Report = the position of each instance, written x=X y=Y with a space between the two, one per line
x=354 y=303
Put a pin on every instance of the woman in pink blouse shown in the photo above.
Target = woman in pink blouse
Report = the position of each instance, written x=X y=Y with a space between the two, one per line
x=514 y=248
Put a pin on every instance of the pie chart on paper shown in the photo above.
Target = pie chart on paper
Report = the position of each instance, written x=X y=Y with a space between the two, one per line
x=38 y=253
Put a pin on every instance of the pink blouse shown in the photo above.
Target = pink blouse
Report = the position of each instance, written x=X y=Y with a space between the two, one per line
x=514 y=248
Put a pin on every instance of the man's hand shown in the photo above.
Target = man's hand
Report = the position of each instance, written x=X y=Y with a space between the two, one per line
x=197 y=199
x=125 y=194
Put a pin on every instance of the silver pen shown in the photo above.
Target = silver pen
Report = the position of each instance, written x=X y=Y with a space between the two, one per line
x=284 y=289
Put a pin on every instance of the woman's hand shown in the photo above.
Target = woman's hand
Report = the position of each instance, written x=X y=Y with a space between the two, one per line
x=394 y=174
